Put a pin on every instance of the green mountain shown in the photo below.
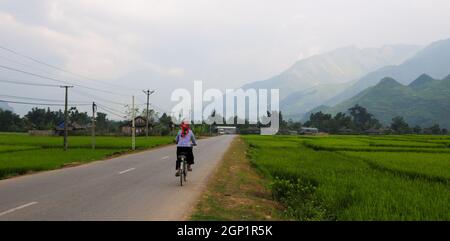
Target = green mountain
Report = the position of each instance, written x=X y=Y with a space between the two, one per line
x=425 y=101
x=434 y=60
x=310 y=82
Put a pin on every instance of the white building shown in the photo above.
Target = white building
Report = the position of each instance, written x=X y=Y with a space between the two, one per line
x=226 y=130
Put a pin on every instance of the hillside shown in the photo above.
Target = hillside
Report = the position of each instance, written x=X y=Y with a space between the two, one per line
x=311 y=81
x=433 y=60
x=422 y=106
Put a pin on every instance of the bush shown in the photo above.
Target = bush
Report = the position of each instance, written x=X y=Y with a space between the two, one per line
x=299 y=198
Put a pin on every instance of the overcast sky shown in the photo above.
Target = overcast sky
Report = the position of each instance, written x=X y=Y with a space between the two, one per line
x=168 y=44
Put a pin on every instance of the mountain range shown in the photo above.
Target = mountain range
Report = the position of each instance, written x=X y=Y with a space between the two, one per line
x=424 y=102
x=433 y=60
x=383 y=80
x=312 y=81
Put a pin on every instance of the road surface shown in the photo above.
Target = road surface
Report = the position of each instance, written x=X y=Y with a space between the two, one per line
x=140 y=186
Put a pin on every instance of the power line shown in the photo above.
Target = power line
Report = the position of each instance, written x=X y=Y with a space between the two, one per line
x=58 y=80
x=18 y=82
x=161 y=109
x=79 y=92
x=144 y=103
x=111 y=109
x=44 y=104
x=61 y=69
x=112 y=113
x=32 y=74
x=39 y=99
x=23 y=64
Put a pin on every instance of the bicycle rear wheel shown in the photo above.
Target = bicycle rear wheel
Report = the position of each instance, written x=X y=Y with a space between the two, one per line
x=181 y=173
x=185 y=172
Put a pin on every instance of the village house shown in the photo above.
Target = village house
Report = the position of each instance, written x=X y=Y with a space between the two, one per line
x=72 y=126
x=308 y=131
x=139 y=123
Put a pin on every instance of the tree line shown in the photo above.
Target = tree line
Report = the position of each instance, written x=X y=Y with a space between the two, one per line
x=46 y=119
x=356 y=121
x=360 y=121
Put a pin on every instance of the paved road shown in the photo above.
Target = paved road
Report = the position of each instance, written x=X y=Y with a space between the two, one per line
x=139 y=186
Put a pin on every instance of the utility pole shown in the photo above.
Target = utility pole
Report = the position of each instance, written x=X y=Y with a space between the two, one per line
x=65 y=116
x=148 y=93
x=133 y=126
x=94 y=108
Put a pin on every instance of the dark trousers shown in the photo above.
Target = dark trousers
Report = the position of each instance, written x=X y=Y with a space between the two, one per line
x=187 y=151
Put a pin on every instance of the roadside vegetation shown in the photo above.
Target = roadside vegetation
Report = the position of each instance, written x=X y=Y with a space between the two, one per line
x=356 y=177
x=21 y=153
x=237 y=191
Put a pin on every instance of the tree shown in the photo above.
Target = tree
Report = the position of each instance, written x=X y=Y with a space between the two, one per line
x=165 y=124
x=362 y=119
x=81 y=118
x=43 y=119
x=417 y=129
x=129 y=112
x=101 y=123
x=328 y=123
x=435 y=129
x=292 y=125
x=399 y=125
x=10 y=121
x=152 y=115
x=339 y=121
x=319 y=120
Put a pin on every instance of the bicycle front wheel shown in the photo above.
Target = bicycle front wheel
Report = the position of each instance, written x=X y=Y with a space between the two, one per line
x=182 y=173
x=185 y=172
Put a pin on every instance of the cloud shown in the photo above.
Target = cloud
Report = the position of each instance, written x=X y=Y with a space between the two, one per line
x=224 y=43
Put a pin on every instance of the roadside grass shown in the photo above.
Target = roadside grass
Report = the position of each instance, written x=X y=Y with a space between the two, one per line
x=237 y=191
x=323 y=184
x=22 y=154
x=12 y=164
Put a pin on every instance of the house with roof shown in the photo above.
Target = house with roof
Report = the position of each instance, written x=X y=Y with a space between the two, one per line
x=139 y=123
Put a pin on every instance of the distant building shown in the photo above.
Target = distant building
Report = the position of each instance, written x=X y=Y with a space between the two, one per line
x=308 y=131
x=226 y=130
x=345 y=131
x=374 y=131
x=249 y=131
x=139 y=123
x=41 y=132
x=72 y=126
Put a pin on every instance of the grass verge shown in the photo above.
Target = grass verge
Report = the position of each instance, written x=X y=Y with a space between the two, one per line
x=237 y=191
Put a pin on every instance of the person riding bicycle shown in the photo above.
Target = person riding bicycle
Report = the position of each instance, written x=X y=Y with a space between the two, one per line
x=183 y=139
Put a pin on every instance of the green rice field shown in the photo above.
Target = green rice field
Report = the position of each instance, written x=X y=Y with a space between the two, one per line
x=356 y=177
x=21 y=153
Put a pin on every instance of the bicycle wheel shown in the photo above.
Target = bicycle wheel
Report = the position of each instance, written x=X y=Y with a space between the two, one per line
x=181 y=170
x=185 y=172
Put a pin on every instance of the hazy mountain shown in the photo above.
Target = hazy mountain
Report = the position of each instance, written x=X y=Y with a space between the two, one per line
x=312 y=81
x=5 y=106
x=433 y=60
x=299 y=102
x=425 y=101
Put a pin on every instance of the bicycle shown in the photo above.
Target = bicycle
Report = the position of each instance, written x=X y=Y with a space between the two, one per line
x=183 y=168
x=183 y=165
